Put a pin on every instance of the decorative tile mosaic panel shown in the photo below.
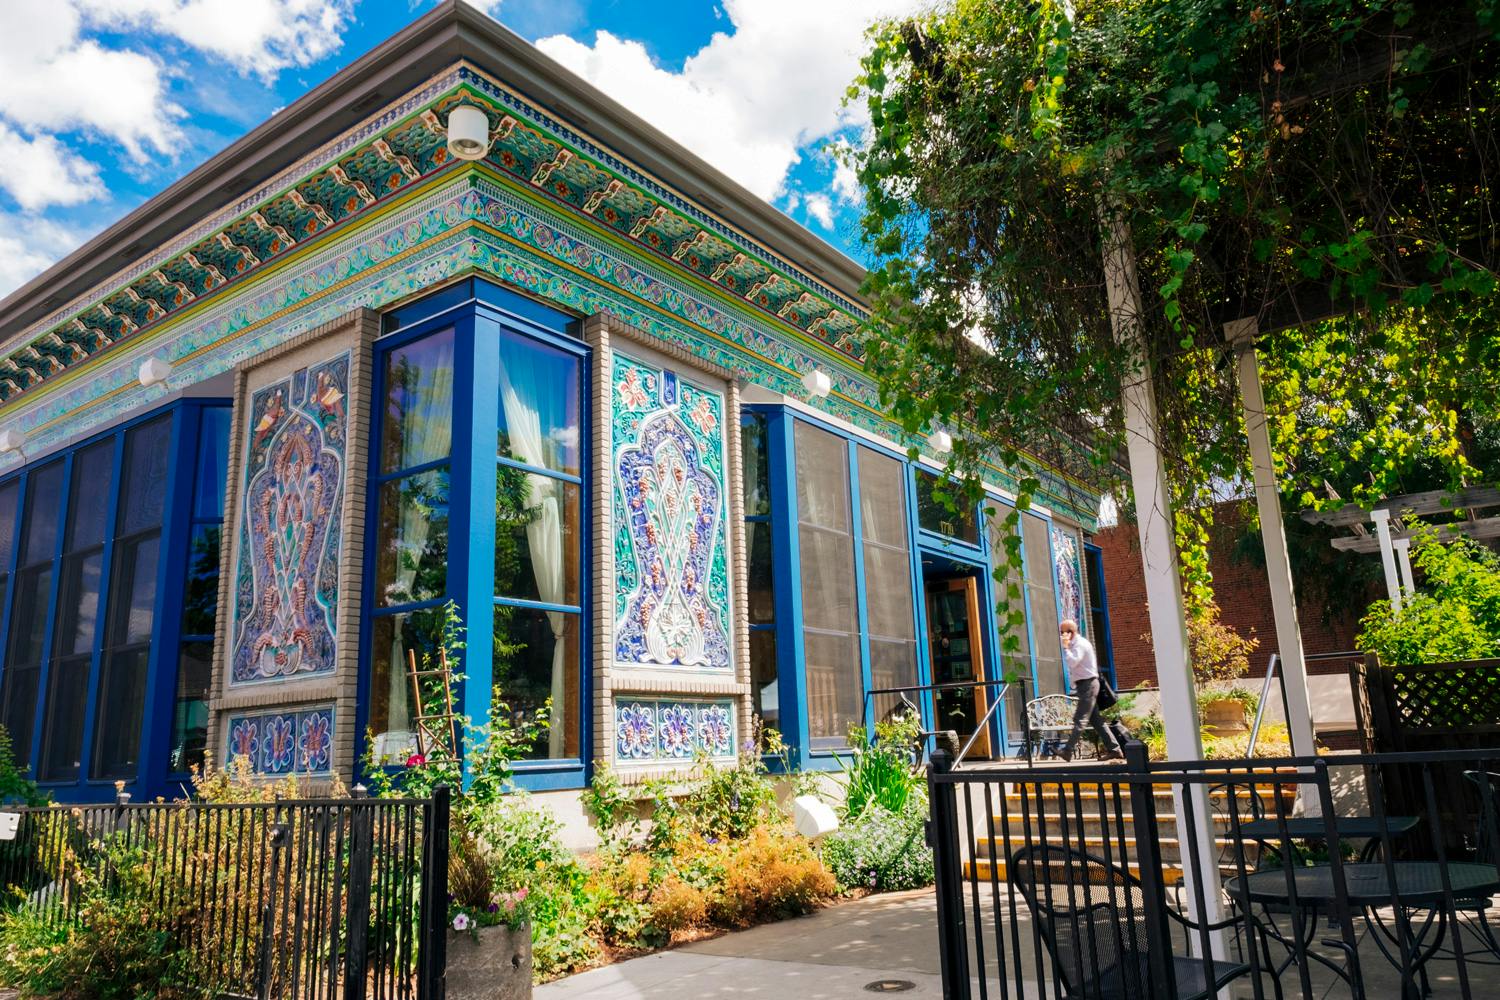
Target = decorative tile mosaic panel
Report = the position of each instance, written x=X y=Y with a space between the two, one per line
x=672 y=586
x=286 y=573
x=666 y=732
x=1069 y=575
x=281 y=743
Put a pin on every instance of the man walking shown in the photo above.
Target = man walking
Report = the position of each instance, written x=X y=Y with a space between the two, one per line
x=1083 y=672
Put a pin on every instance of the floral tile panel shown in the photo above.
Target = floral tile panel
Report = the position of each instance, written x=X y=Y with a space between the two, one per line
x=281 y=743
x=649 y=731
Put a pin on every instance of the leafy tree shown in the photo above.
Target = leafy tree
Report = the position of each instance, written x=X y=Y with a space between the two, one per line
x=1322 y=166
x=1455 y=616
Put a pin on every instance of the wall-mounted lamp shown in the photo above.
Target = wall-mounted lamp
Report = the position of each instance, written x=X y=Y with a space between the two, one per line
x=11 y=440
x=817 y=383
x=941 y=442
x=154 y=371
x=468 y=132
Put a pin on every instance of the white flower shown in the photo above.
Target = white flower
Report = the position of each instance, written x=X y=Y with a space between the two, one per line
x=461 y=922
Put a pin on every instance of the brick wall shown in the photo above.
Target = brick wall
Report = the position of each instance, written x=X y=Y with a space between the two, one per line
x=1244 y=603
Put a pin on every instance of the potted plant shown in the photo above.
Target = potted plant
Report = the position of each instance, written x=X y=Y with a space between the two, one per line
x=489 y=947
x=1227 y=711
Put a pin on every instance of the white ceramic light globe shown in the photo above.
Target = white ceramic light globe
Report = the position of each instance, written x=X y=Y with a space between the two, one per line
x=468 y=132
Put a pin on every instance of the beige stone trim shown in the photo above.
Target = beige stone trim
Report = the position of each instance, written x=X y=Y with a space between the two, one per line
x=739 y=581
x=354 y=332
x=661 y=682
x=597 y=330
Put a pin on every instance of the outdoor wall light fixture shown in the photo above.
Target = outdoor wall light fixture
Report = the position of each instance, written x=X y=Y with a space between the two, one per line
x=940 y=442
x=11 y=440
x=817 y=383
x=154 y=371
x=468 y=132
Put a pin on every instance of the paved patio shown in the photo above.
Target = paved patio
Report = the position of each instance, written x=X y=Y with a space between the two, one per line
x=835 y=952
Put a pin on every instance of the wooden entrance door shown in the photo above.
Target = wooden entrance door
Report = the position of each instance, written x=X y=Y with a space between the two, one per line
x=956 y=651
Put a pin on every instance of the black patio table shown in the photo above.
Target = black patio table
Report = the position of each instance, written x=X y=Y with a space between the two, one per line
x=1419 y=884
x=1314 y=828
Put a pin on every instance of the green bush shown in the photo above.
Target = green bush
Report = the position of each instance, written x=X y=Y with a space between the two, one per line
x=881 y=851
x=1456 y=615
x=883 y=771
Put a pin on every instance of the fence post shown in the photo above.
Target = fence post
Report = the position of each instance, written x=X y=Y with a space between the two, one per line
x=1148 y=852
x=361 y=856
x=433 y=962
x=942 y=837
x=268 y=914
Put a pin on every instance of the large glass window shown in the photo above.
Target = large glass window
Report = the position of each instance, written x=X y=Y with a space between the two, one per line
x=200 y=592
x=1041 y=594
x=411 y=543
x=29 y=606
x=935 y=510
x=755 y=447
x=535 y=573
x=538 y=541
x=890 y=621
x=830 y=623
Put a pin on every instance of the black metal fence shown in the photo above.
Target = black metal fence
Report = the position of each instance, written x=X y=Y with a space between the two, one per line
x=316 y=899
x=1254 y=878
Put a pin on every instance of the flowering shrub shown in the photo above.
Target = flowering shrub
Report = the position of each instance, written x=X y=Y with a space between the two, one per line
x=881 y=851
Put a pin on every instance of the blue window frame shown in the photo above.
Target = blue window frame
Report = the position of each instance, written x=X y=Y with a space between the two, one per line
x=1093 y=561
x=93 y=545
x=478 y=493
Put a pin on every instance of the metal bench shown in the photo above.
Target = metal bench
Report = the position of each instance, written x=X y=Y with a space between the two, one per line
x=1050 y=720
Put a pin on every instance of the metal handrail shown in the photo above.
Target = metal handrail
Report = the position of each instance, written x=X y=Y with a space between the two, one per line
x=998 y=700
x=1265 y=689
x=989 y=713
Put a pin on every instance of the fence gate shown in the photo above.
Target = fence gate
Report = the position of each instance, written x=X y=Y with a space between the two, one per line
x=317 y=899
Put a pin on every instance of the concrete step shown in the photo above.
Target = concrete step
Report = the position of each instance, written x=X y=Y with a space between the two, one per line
x=984 y=870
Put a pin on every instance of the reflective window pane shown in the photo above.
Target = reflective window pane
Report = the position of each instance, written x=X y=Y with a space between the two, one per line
x=822 y=478
x=9 y=494
x=144 y=477
x=888 y=602
x=893 y=663
x=201 y=594
x=44 y=489
x=882 y=499
x=28 y=618
x=19 y=713
x=132 y=599
x=213 y=463
x=833 y=702
x=536 y=658
x=417 y=415
x=78 y=604
x=411 y=545
x=763 y=677
x=539 y=423
x=394 y=640
x=755 y=446
x=828 y=580
x=762 y=584
x=190 y=714
x=122 y=703
x=934 y=513
x=536 y=537
x=1042 y=596
x=88 y=500
x=62 y=734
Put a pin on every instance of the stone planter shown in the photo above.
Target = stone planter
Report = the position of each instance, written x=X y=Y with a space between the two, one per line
x=495 y=964
x=1226 y=717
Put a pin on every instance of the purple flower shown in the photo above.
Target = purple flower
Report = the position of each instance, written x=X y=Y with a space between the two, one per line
x=461 y=922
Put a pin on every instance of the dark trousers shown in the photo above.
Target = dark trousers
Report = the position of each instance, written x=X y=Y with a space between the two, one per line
x=1087 y=693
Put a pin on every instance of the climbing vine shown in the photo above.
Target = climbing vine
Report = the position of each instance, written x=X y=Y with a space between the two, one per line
x=1322 y=167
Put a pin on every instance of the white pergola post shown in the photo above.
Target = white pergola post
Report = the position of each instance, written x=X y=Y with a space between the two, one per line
x=1403 y=562
x=1382 y=519
x=1153 y=505
x=1241 y=335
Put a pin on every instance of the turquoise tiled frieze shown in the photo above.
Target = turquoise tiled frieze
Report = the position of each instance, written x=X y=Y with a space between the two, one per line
x=659 y=731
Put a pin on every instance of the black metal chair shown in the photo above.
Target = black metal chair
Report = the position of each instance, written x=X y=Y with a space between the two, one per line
x=1092 y=917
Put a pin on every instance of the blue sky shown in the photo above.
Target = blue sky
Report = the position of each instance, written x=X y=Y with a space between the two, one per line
x=105 y=102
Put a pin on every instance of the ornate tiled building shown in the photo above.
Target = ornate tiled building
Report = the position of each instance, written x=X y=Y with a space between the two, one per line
x=458 y=331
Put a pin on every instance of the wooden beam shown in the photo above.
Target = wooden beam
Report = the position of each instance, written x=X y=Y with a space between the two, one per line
x=1487 y=528
x=1431 y=502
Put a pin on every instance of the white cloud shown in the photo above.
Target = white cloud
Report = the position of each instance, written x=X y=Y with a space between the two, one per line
x=846 y=186
x=54 y=80
x=750 y=100
x=254 y=36
x=820 y=207
x=39 y=243
x=42 y=171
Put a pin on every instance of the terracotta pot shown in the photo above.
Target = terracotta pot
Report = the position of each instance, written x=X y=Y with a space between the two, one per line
x=494 y=964
x=1225 y=717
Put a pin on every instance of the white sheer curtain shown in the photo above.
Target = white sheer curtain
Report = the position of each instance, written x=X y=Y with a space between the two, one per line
x=426 y=434
x=543 y=531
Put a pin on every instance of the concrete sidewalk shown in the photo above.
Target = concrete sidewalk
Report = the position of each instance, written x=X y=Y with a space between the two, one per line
x=837 y=952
